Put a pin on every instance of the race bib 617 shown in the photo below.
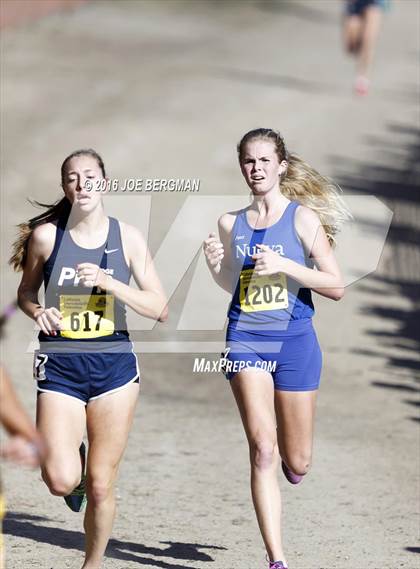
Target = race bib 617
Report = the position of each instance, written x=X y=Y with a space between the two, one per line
x=87 y=316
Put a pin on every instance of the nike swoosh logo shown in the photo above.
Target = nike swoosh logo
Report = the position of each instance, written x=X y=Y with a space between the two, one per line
x=107 y=251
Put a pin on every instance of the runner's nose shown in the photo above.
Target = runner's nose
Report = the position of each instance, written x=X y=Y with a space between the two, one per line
x=80 y=184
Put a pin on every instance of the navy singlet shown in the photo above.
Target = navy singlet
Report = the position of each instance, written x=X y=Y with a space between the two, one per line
x=89 y=315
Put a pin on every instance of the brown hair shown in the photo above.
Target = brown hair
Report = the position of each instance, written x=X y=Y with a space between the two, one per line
x=304 y=184
x=59 y=210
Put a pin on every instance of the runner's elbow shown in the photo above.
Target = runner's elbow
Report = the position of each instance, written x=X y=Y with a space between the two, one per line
x=337 y=293
x=163 y=316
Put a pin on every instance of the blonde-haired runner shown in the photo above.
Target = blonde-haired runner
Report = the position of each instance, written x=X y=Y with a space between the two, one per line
x=266 y=256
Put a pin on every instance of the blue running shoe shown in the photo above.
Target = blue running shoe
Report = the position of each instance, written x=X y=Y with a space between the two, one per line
x=76 y=501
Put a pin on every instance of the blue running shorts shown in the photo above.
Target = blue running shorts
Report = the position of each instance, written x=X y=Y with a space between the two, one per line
x=292 y=357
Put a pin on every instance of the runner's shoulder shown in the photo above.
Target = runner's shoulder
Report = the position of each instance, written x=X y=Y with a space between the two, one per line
x=306 y=216
x=307 y=222
x=227 y=220
x=43 y=237
x=131 y=236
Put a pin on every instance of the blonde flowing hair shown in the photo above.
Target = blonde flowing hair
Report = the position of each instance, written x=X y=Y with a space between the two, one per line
x=59 y=210
x=304 y=184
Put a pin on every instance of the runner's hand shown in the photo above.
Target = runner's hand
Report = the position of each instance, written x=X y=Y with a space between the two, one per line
x=21 y=451
x=214 y=252
x=268 y=262
x=48 y=319
x=91 y=275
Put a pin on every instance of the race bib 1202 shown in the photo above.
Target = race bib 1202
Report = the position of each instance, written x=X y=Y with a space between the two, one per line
x=258 y=293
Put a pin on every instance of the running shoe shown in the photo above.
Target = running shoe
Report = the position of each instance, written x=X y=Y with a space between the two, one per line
x=290 y=475
x=277 y=565
x=76 y=501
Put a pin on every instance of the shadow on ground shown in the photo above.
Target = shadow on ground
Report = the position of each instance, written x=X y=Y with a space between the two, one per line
x=397 y=185
x=29 y=527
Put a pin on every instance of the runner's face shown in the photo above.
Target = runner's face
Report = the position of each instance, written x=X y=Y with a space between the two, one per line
x=260 y=166
x=82 y=173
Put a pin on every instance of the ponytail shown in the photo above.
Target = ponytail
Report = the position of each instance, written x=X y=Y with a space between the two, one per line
x=306 y=185
x=58 y=210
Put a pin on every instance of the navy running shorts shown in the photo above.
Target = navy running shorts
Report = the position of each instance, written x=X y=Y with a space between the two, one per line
x=292 y=357
x=85 y=376
x=357 y=7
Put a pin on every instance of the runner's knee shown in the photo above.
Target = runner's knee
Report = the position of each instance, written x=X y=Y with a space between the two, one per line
x=60 y=482
x=299 y=462
x=98 y=488
x=352 y=47
x=264 y=453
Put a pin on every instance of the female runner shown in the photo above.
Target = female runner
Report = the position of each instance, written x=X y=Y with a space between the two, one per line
x=361 y=28
x=86 y=370
x=265 y=256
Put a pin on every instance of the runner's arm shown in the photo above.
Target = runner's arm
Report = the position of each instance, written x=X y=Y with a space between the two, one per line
x=40 y=246
x=222 y=273
x=151 y=300
x=326 y=280
x=26 y=445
